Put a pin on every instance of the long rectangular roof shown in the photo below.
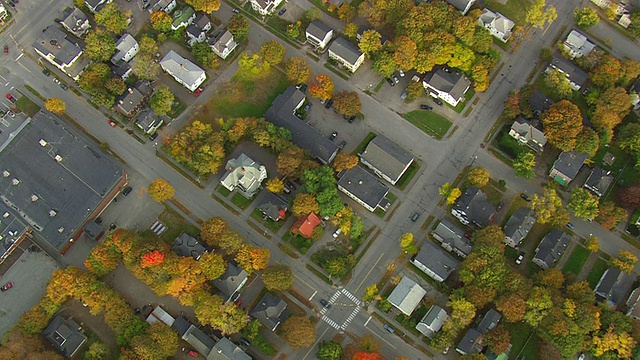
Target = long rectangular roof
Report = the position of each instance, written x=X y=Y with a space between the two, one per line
x=450 y=81
x=54 y=41
x=181 y=68
x=436 y=260
x=365 y=186
x=346 y=50
x=386 y=156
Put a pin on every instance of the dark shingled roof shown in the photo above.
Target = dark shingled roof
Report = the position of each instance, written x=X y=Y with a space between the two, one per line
x=346 y=50
x=450 y=81
x=614 y=286
x=470 y=343
x=271 y=205
x=551 y=248
x=473 y=202
x=519 y=225
x=64 y=335
x=386 y=156
x=599 y=181
x=187 y=245
x=569 y=163
x=573 y=72
x=54 y=41
x=363 y=185
x=436 y=260
x=229 y=281
x=270 y=311
x=489 y=321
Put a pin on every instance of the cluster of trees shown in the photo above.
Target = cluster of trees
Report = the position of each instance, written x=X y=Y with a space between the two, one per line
x=365 y=348
x=139 y=340
x=321 y=193
x=144 y=65
x=426 y=35
x=99 y=82
x=257 y=65
x=450 y=194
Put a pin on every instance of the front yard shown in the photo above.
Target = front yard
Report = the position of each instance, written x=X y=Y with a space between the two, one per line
x=176 y=225
x=429 y=122
x=576 y=261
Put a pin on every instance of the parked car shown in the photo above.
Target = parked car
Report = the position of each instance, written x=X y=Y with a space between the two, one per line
x=520 y=258
x=352 y=119
x=245 y=342
x=307 y=107
x=415 y=216
x=426 y=107
x=197 y=92
x=325 y=304
x=11 y=98
x=127 y=191
x=401 y=73
x=46 y=72
x=235 y=10
x=281 y=12
x=55 y=80
x=438 y=101
x=391 y=82
x=570 y=226
x=337 y=233
x=7 y=286
x=287 y=190
x=333 y=136
x=525 y=197
x=500 y=205
x=112 y=123
x=303 y=88
x=328 y=103
x=64 y=87
x=388 y=328
x=395 y=78
x=342 y=144
x=153 y=136
x=290 y=185
x=6 y=49
x=404 y=95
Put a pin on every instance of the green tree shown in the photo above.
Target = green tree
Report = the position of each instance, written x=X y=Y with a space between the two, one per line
x=610 y=215
x=298 y=331
x=562 y=123
x=99 y=45
x=212 y=265
x=277 y=277
x=347 y=103
x=557 y=81
x=415 y=90
x=548 y=208
x=384 y=64
x=478 y=177
x=329 y=350
x=593 y=244
x=97 y=351
x=583 y=204
x=370 y=42
x=160 y=190
x=275 y=186
x=304 y=204
x=204 y=55
x=298 y=71
x=206 y=6
x=524 y=165
x=289 y=160
x=408 y=243
x=607 y=73
x=405 y=52
x=586 y=18
x=145 y=67
x=273 y=52
x=498 y=340
x=161 y=100
x=346 y=12
x=539 y=14
x=312 y=14
x=239 y=27
x=626 y=261
x=371 y=293
x=635 y=21
x=116 y=86
x=160 y=21
x=112 y=18
x=588 y=142
x=629 y=137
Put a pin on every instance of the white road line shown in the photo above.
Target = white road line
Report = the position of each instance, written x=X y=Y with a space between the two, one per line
x=314 y=345
x=314 y=294
x=19 y=56
x=366 y=322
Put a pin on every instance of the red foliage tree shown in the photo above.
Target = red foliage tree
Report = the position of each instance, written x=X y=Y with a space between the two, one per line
x=152 y=258
x=367 y=356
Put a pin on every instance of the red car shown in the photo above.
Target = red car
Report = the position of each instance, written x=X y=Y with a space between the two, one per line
x=11 y=98
x=197 y=92
x=6 y=49
x=7 y=286
x=112 y=123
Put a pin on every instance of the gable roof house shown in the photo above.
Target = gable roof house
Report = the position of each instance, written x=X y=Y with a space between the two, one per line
x=539 y=103
x=498 y=25
x=567 y=166
x=95 y=5
x=613 y=287
x=186 y=245
x=347 y=54
x=452 y=238
x=64 y=335
x=599 y=181
x=472 y=207
x=434 y=262
x=446 y=84
x=319 y=34
x=223 y=44
x=231 y=281
x=632 y=304
x=149 y=121
x=518 y=226
x=184 y=71
x=183 y=18
x=76 y=22
x=432 y=321
x=163 y=5
x=304 y=226
x=386 y=158
x=406 y=296
x=127 y=47
x=54 y=46
x=197 y=32
x=470 y=343
x=462 y=5
x=282 y=113
x=270 y=311
x=265 y=7
x=363 y=187
x=526 y=133
x=273 y=206
x=244 y=174
x=122 y=70
x=577 y=44
x=576 y=76
x=130 y=101
x=489 y=321
x=551 y=248
x=223 y=349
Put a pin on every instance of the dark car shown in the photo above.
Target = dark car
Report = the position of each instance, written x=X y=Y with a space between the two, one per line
x=500 y=205
x=153 y=136
x=307 y=107
x=388 y=328
x=11 y=98
x=352 y=119
x=395 y=78
x=391 y=82
x=525 y=197
x=303 y=88
x=570 y=226
x=438 y=101
x=46 y=72
x=245 y=342
x=63 y=86
x=127 y=191
x=282 y=12
x=328 y=104
x=325 y=304
x=333 y=136
x=6 y=49
x=342 y=144
x=415 y=216
x=426 y=107
x=290 y=185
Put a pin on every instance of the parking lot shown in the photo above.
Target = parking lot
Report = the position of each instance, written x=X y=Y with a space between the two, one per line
x=327 y=121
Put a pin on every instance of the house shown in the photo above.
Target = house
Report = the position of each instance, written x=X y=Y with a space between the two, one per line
x=193 y=335
x=539 y=103
x=518 y=226
x=130 y=101
x=567 y=166
x=599 y=181
x=489 y=321
x=223 y=44
x=273 y=206
x=163 y=5
x=65 y=335
x=551 y=248
x=304 y=226
x=432 y=321
x=184 y=71
x=470 y=343
x=244 y=174
x=227 y=350
x=577 y=45
x=282 y=113
x=452 y=238
x=183 y=18
x=95 y=5
x=434 y=262
x=186 y=245
x=632 y=304
x=364 y=188
x=613 y=287
x=76 y=22
x=446 y=84
x=126 y=48
x=576 y=76
x=406 y=296
x=498 y=25
x=122 y=70
x=386 y=158
x=347 y=54
x=319 y=34
x=526 y=133
x=472 y=207
x=3 y=12
x=54 y=46
x=265 y=7
x=149 y=122
x=462 y=5
x=197 y=32
x=270 y=311
x=231 y=282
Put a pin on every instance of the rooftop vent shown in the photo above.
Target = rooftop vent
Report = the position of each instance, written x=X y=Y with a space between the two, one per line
x=52 y=213
x=42 y=142
x=6 y=174
x=60 y=230
x=360 y=182
x=34 y=198
x=58 y=158
x=53 y=42
x=15 y=182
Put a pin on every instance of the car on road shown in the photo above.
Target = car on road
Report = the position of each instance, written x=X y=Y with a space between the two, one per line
x=290 y=185
x=391 y=82
x=525 y=197
x=238 y=303
x=388 y=328
x=520 y=258
x=570 y=226
x=342 y=144
x=325 y=304
x=127 y=191
x=395 y=78
x=307 y=107
x=245 y=342
x=500 y=205
x=46 y=72
x=333 y=136
x=281 y=12
x=235 y=10
x=426 y=107
x=404 y=95
x=153 y=136
x=415 y=216
x=55 y=80
x=438 y=101
x=6 y=49
x=328 y=104
x=112 y=123
x=63 y=86
x=197 y=92
x=11 y=98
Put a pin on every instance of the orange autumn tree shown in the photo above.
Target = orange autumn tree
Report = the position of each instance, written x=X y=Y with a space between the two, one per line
x=321 y=87
x=152 y=258
x=367 y=356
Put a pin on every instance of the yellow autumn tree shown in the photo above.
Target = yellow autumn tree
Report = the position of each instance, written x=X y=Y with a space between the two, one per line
x=160 y=190
x=55 y=105
x=275 y=185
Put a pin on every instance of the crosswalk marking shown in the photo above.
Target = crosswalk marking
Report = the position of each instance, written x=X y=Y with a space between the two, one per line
x=352 y=315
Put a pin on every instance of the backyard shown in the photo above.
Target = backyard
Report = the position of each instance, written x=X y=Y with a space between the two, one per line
x=176 y=225
x=576 y=261
x=429 y=122
x=596 y=273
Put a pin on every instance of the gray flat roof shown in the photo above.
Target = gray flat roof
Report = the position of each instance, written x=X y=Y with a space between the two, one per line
x=365 y=186
x=386 y=156
x=436 y=260
x=55 y=197
x=54 y=41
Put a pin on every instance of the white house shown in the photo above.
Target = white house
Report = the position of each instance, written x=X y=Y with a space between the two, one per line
x=498 y=25
x=406 y=296
x=197 y=32
x=526 y=133
x=163 y=5
x=265 y=7
x=319 y=34
x=462 y=5
x=184 y=71
x=53 y=46
x=347 y=54
x=223 y=44
x=183 y=18
x=577 y=44
x=446 y=84
x=127 y=47
x=3 y=12
x=432 y=321
x=244 y=174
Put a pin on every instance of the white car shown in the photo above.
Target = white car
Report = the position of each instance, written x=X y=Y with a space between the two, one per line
x=337 y=233
x=520 y=258
x=401 y=73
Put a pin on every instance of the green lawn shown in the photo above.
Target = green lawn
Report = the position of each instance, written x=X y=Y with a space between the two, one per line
x=408 y=175
x=363 y=144
x=513 y=9
x=223 y=191
x=462 y=105
x=27 y=106
x=176 y=225
x=522 y=347
x=576 y=260
x=241 y=201
x=429 y=122
x=596 y=272
x=268 y=223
